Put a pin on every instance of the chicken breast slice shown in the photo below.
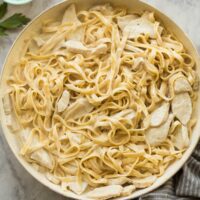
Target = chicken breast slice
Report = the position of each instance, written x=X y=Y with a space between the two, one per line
x=74 y=138
x=10 y=118
x=160 y=115
x=39 y=41
x=137 y=147
x=42 y=157
x=76 y=187
x=127 y=114
x=12 y=122
x=76 y=47
x=52 y=178
x=106 y=9
x=182 y=85
x=7 y=104
x=118 y=181
x=157 y=135
x=78 y=109
x=77 y=34
x=140 y=26
x=70 y=15
x=100 y=49
x=125 y=20
x=144 y=182
x=181 y=138
x=24 y=134
x=128 y=190
x=136 y=27
x=182 y=107
x=63 y=101
x=105 y=192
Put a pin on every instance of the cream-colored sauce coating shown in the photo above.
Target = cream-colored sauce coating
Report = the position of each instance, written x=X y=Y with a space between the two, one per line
x=101 y=99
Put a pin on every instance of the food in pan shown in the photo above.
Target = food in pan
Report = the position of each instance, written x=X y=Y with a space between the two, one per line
x=102 y=100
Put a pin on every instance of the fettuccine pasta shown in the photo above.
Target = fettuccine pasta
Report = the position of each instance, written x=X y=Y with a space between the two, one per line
x=102 y=101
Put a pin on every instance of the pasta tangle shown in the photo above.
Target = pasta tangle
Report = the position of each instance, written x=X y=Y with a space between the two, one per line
x=102 y=100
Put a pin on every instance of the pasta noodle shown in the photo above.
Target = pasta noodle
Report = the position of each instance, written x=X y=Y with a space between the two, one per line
x=101 y=101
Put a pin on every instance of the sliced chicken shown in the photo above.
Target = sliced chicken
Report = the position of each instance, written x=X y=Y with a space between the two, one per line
x=77 y=34
x=137 y=147
x=63 y=101
x=76 y=187
x=157 y=135
x=182 y=85
x=128 y=190
x=182 y=107
x=35 y=141
x=39 y=41
x=136 y=27
x=106 y=9
x=12 y=122
x=159 y=115
x=36 y=166
x=24 y=134
x=7 y=104
x=140 y=26
x=71 y=169
x=118 y=181
x=130 y=115
x=127 y=113
x=70 y=15
x=144 y=182
x=78 y=109
x=10 y=118
x=42 y=157
x=125 y=20
x=100 y=49
x=76 y=47
x=106 y=192
x=74 y=138
x=181 y=138
x=52 y=178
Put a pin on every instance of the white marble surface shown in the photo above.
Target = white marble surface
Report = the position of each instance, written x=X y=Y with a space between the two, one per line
x=15 y=182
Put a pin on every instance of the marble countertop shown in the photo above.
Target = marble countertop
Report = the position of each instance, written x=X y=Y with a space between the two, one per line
x=15 y=182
